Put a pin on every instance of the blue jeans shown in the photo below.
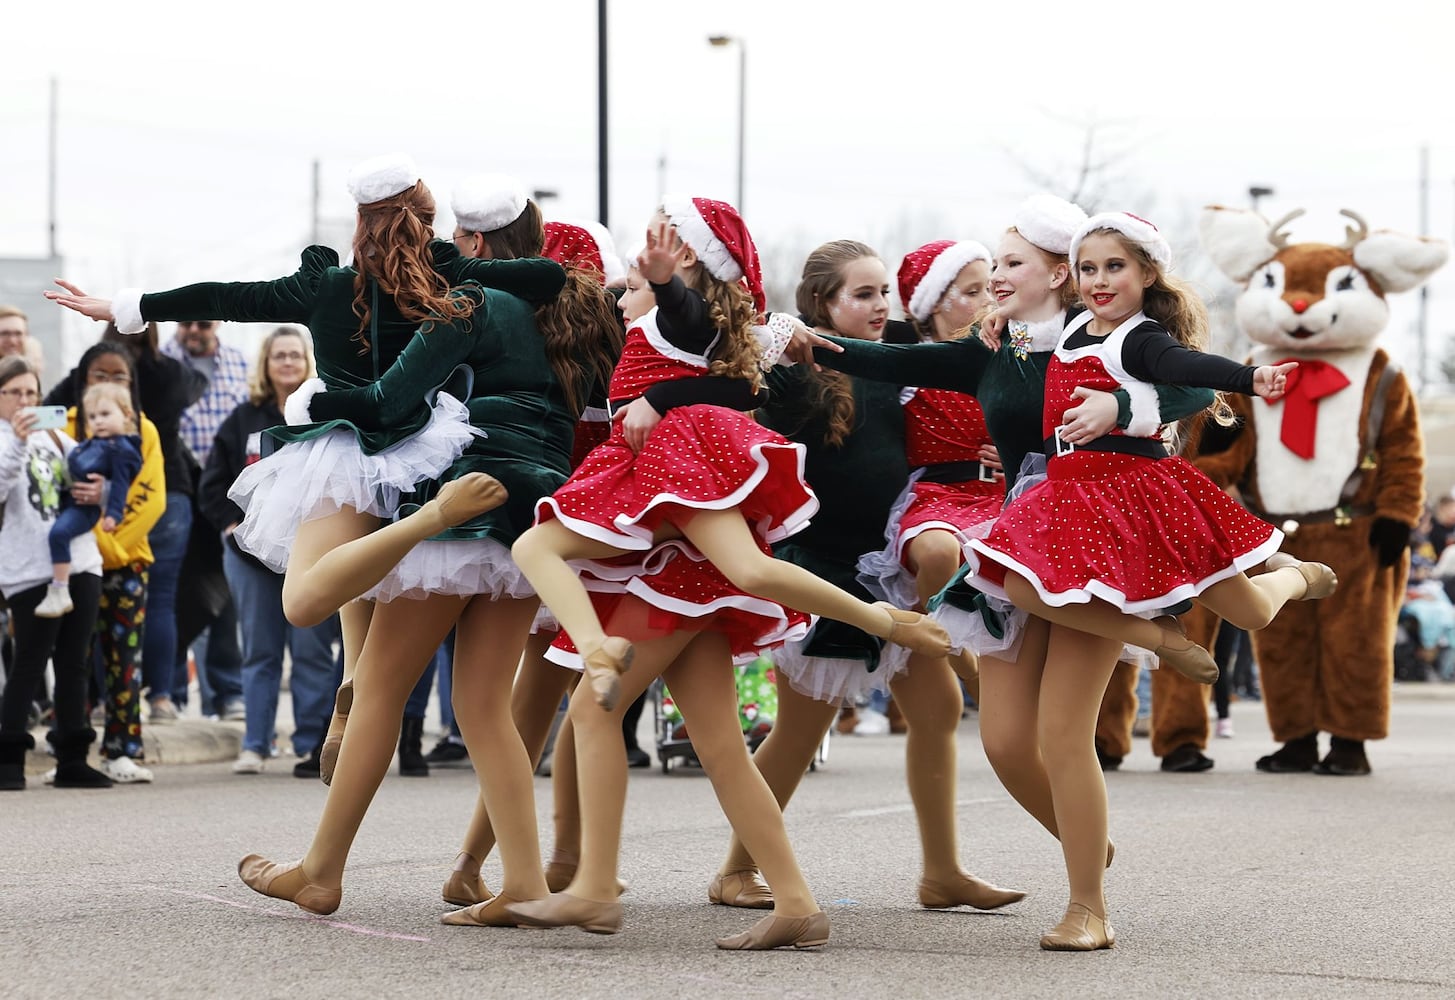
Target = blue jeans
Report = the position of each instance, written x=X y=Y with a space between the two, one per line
x=258 y=594
x=72 y=522
x=218 y=655
x=444 y=661
x=168 y=540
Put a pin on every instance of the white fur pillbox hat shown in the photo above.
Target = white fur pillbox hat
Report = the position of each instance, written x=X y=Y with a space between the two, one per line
x=487 y=202
x=382 y=177
x=1048 y=222
x=1134 y=228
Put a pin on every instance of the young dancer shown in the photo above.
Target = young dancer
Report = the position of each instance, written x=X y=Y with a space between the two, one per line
x=706 y=473
x=333 y=481
x=113 y=451
x=849 y=425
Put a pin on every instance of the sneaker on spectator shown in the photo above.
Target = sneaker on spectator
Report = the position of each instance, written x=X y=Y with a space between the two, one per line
x=309 y=767
x=49 y=778
x=234 y=711
x=447 y=751
x=1224 y=729
x=871 y=723
x=248 y=762
x=1142 y=726
x=98 y=715
x=163 y=711
x=125 y=771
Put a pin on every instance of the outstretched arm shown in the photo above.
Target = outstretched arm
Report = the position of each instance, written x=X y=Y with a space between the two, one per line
x=957 y=365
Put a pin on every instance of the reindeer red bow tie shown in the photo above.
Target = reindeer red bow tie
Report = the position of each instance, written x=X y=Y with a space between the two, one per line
x=1310 y=382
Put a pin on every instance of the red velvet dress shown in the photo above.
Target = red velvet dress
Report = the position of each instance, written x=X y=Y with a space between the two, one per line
x=1141 y=533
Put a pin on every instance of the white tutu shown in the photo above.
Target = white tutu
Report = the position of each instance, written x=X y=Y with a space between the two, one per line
x=304 y=480
x=968 y=631
x=882 y=573
x=835 y=681
x=461 y=567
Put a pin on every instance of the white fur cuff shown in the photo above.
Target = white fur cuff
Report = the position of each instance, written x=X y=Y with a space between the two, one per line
x=1146 y=410
x=126 y=312
x=295 y=411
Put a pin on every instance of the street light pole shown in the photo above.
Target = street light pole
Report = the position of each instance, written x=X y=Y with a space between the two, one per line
x=1255 y=192
x=602 y=188
x=720 y=41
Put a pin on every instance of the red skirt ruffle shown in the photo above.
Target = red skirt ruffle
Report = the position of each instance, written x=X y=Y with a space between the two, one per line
x=698 y=458
x=1140 y=533
x=953 y=507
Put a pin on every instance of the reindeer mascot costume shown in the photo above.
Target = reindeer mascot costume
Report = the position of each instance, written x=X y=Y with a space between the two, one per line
x=1338 y=464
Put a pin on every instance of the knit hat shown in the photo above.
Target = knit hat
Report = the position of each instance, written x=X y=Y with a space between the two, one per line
x=1048 y=222
x=716 y=233
x=487 y=202
x=585 y=244
x=1134 y=228
x=927 y=273
x=382 y=177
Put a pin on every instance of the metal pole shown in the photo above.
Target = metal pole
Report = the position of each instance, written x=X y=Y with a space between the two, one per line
x=602 y=188
x=313 y=228
x=742 y=114
x=51 y=169
x=1423 y=321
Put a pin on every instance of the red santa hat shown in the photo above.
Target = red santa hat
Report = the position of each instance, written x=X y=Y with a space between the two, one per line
x=382 y=177
x=716 y=233
x=925 y=275
x=487 y=202
x=585 y=244
x=1134 y=228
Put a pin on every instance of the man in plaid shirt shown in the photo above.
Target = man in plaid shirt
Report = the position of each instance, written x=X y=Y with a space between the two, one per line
x=219 y=656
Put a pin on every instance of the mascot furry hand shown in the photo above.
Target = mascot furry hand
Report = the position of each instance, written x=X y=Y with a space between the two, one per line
x=1338 y=464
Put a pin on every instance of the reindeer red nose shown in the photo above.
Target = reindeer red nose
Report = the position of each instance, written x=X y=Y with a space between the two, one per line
x=1299 y=305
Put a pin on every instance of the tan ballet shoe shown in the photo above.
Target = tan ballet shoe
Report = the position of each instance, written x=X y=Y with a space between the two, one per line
x=916 y=632
x=562 y=869
x=471 y=495
x=780 y=932
x=464 y=887
x=343 y=702
x=1319 y=580
x=1079 y=930
x=1111 y=852
x=745 y=889
x=492 y=912
x=965 y=890
x=287 y=882
x=1186 y=657
x=604 y=666
x=561 y=909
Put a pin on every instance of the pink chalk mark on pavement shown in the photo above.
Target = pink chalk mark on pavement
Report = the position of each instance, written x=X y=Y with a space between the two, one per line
x=310 y=918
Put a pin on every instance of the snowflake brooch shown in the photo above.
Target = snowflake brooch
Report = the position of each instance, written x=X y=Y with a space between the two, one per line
x=1020 y=340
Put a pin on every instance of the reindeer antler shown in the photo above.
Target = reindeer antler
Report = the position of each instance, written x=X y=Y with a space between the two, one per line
x=1278 y=239
x=1352 y=235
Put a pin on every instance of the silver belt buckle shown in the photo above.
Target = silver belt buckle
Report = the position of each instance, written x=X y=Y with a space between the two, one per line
x=1062 y=447
x=987 y=474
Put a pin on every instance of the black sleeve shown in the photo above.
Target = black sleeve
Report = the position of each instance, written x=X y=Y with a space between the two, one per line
x=63 y=393
x=1150 y=354
x=713 y=390
x=682 y=317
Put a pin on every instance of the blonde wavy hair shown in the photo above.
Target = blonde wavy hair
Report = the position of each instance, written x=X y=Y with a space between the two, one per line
x=260 y=383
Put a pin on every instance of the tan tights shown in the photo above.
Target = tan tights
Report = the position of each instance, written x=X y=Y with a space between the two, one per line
x=697 y=667
x=934 y=556
x=542 y=554
x=539 y=687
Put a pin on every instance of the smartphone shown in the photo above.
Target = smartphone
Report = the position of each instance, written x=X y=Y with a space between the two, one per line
x=48 y=418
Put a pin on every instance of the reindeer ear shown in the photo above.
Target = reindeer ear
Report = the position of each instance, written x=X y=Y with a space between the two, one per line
x=1399 y=262
x=1235 y=239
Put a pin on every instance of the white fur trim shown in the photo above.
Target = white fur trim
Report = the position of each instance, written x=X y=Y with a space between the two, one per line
x=1139 y=231
x=941 y=274
x=487 y=202
x=611 y=263
x=1400 y=262
x=696 y=233
x=1048 y=222
x=1146 y=419
x=382 y=177
x=295 y=411
x=1235 y=239
x=126 y=312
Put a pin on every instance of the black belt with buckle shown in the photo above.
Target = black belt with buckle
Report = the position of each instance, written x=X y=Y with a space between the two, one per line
x=1341 y=516
x=946 y=473
x=1146 y=447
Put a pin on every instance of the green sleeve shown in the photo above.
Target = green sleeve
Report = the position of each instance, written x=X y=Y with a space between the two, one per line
x=397 y=395
x=537 y=280
x=1174 y=403
x=282 y=300
x=957 y=365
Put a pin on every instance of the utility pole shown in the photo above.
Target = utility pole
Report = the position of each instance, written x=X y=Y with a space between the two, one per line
x=51 y=168
x=602 y=187
x=313 y=224
x=1423 y=320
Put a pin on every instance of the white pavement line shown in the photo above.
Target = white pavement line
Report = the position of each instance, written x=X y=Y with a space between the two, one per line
x=906 y=807
x=313 y=919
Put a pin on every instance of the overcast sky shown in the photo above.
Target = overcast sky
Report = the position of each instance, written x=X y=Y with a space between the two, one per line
x=188 y=131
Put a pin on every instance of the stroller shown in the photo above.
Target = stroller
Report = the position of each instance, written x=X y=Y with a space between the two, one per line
x=757 y=708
